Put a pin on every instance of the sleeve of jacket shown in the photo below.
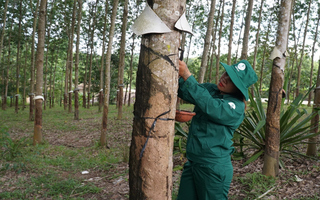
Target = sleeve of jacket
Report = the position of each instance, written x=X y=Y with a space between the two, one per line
x=228 y=112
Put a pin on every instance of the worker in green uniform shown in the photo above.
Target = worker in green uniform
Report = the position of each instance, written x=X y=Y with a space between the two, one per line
x=219 y=112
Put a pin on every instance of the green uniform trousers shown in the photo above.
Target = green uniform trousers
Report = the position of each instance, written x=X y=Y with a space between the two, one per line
x=205 y=181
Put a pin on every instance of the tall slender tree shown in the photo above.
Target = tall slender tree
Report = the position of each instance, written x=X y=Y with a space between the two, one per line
x=37 y=137
x=312 y=53
x=245 y=42
x=272 y=145
x=122 y=57
x=204 y=60
x=103 y=136
x=31 y=94
x=4 y=97
x=302 y=50
x=234 y=2
x=76 y=65
x=219 y=41
x=18 y=59
x=103 y=56
x=94 y=21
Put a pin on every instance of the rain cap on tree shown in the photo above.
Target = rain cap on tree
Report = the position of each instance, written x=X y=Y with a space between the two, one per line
x=242 y=75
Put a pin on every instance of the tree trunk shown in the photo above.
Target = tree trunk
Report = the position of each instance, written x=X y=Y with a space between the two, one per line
x=156 y=97
x=295 y=52
x=25 y=77
x=37 y=137
x=131 y=68
x=219 y=42
x=31 y=94
x=76 y=66
x=245 y=44
x=312 y=55
x=18 y=59
x=271 y=154
x=103 y=57
x=231 y=32
x=312 y=146
x=213 y=43
x=9 y=66
x=265 y=45
x=257 y=42
x=204 y=60
x=122 y=57
x=91 y=54
x=1 y=45
x=302 y=51
x=103 y=136
x=239 y=40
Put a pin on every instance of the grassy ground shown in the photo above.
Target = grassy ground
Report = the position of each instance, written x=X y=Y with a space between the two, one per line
x=56 y=169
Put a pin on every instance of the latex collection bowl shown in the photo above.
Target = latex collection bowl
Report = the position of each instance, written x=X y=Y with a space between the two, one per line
x=184 y=115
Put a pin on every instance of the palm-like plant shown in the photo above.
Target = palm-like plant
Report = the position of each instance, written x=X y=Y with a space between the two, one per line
x=294 y=128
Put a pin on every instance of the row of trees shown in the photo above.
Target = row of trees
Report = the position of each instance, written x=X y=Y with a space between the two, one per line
x=51 y=47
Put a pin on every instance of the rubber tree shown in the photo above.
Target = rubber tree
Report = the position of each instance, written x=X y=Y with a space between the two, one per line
x=37 y=137
x=302 y=50
x=245 y=43
x=94 y=21
x=4 y=98
x=278 y=55
x=103 y=136
x=70 y=60
x=76 y=65
x=312 y=54
x=257 y=42
x=312 y=146
x=31 y=94
x=122 y=57
x=150 y=162
x=18 y=59
x=234 y=2
x=103 y=56
x=204 y=60
x=222 y=2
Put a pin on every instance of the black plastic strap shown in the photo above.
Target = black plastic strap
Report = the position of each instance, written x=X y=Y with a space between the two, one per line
x=152 y=127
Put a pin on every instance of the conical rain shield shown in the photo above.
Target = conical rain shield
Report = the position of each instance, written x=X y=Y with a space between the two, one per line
x=149 y=22
x=183 y=25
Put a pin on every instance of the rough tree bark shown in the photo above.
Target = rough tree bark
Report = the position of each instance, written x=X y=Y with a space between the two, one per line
x=150 y=175
x=37 y=137
x=271 y=155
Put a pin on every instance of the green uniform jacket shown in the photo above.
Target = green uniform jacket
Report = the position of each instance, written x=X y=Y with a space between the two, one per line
x=217 y=117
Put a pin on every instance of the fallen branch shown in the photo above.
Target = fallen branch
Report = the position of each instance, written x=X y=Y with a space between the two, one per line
x=264 y=194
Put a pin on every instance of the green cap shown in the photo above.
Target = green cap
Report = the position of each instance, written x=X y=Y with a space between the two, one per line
x=242 y=75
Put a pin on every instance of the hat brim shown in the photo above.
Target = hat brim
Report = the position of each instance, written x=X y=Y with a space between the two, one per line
x=236 y=80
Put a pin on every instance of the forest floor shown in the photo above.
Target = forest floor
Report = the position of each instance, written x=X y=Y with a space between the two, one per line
x=71 y=165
